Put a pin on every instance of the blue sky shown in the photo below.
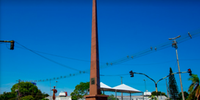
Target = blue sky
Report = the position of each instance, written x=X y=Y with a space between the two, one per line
x=125 y=27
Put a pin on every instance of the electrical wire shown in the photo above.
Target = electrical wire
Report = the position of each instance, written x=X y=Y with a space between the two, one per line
x=47 y=58
x=58 y=55
x=136 y=55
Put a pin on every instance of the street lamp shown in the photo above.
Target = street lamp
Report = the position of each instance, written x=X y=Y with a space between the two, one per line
x=145 y=85
x=174 y=44
x=56 y=83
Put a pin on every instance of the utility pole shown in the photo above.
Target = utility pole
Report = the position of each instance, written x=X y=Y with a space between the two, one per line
x=174 y=44
x=121 y=92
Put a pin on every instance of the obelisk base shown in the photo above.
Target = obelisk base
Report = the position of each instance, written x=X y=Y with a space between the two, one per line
x=96 y=97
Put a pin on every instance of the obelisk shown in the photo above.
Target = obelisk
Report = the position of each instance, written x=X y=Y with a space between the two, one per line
x=95 y=93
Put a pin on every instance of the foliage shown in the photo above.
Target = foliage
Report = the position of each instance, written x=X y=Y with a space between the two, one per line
x=180 y=95
x=194 y=88
x=158 y=93
x=27 y=90
x=80 y=90
x=8 y=95
x=112 y=97
x=45 y=94
x=29 y=97
x=173 y=88
x=153 y=97
x=192 y=96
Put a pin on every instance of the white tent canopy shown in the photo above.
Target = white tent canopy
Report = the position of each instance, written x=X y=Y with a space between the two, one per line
x=105 y=87
x=125 y=88
x=120 y=88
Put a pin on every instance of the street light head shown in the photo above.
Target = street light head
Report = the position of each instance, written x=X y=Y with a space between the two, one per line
x=175 y=37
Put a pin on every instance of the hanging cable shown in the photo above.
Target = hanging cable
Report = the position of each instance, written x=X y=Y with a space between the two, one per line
x=136 y=55
x=48 y=58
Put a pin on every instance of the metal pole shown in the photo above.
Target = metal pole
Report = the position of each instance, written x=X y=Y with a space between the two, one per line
x=156 y=90
x=167 y=89
x=50 y=88
x=143 y=95
x=121 y=92
x=145 y=85
x=180 y=75
x=115 y=95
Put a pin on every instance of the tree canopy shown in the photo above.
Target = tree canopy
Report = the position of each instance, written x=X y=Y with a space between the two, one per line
x=159 y=93
x=26 y=90
x=8 y=96
x=180 y=95
x=112 y=97
x=80 y=90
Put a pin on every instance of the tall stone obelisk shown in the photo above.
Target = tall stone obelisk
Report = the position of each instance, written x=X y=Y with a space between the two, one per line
x=95 y=93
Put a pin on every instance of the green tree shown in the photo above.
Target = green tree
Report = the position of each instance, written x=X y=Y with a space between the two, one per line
x=173 y=88
x=112 y=97
x=29 y=97
x=80 y=90
x=159 y=93
x=180 y=95
x=194 y=88
x=27 y=89
x=8 y=95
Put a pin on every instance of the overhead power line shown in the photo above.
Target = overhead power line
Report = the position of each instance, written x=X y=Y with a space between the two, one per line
x=152 y=49
x=142 y=53
x=48 y=58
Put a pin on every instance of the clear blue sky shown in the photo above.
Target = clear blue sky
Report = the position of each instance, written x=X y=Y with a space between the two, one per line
x=125 y=27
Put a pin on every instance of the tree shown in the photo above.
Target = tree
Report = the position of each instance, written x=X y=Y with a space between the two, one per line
x=8 y=95
x=27 y=90
x=29 y=97
x=154 y=95
x=173 y=88
x=112 y=97
x=158 y=93
x=80 y=90
x=180 y=95
x=194 y=88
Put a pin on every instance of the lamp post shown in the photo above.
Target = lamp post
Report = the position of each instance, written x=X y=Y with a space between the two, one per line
x=145 y=85
x=122 y=92
x=174 y=44
x=50 y=87
x=56 y=83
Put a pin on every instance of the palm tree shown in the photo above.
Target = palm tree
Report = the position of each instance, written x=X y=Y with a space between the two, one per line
x=194 y=87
